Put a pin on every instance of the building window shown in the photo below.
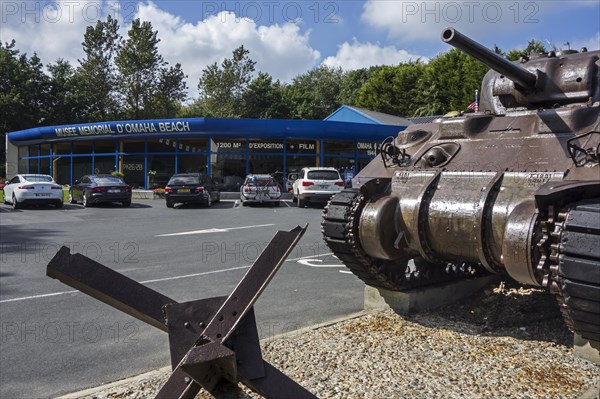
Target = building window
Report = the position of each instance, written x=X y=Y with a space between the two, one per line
x=132 y=166
x=193 y=145
x=265 y=164
x=61 y=169
x=105 y=147
x=227 y=145
x=44 y=166
x=302 y=147
x=82 y=166
x=339 y=147
x=229 y=169
x=265 y=146
x=133 y=146
x=45 y=149
x=162 y=145
x=82 y=147
x=296 y=162
x=340 y=163
x=191 y=163
x=104 y=164
x=33 y=165
x=34 y=150
x=62 y=148
x=164 y=166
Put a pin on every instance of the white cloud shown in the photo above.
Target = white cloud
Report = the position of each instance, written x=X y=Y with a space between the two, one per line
x=52 y=30
x=280 y=50
x=363 y=55
x=592 y=43
x=55 y=30
x=423 y=21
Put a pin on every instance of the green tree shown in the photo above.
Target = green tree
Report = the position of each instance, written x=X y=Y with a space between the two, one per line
x=139 y=64
x=393 y=89
x=352 y=82
x=264 y=99
x=222 y=88
x=62 y=106
x=23 y=92
x=448 y=83
x=170 y=92
x=95 y=80
x=314 y=94
x=23 y=89
x=533 y=47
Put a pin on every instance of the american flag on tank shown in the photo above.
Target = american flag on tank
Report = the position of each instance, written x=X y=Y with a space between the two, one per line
x=475 y=104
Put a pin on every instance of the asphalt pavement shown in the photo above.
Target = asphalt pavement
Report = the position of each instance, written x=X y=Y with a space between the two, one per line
x=55 y=340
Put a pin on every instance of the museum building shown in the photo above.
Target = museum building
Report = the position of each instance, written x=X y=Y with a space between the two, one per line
x=149 y=152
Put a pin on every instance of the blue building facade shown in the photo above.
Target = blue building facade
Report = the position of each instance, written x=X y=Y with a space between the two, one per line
x=148 y=152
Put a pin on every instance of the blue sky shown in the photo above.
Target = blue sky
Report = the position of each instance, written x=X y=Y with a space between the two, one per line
x=287 y=38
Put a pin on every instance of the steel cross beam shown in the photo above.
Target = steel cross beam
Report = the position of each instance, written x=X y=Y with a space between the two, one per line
x=210 y=340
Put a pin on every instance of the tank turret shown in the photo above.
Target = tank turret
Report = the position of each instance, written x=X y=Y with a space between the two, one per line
x=513 y=189
x=546 y=82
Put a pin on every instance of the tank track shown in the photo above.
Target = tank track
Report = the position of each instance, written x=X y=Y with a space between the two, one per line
x=340 y=231
x=575 y=267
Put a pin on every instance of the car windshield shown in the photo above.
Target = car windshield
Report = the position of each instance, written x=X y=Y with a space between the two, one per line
x=184 y=180
x=38 y=178
x=323 y=175
x=261 y=182
x=108 y=180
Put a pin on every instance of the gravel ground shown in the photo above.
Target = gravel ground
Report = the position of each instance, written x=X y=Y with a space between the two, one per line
x=506 y=342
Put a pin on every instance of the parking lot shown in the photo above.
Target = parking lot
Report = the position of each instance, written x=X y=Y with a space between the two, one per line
x=55 y=340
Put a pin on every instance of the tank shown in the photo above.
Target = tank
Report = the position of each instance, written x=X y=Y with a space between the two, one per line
x=511 y=189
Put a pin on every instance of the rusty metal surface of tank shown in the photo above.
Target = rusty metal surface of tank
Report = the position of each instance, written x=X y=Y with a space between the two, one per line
x=513 y=188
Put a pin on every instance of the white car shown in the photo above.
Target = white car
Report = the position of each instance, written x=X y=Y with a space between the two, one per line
x=316 y=185
x=33 y=189
x=260 y=189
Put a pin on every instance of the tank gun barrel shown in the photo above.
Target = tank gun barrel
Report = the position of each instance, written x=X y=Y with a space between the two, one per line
x=517 y=74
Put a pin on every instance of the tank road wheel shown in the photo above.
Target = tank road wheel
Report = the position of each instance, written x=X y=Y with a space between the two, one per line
x=340 y=231
x=575 y=278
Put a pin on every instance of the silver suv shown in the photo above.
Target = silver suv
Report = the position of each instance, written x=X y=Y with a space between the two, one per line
x=316 y=185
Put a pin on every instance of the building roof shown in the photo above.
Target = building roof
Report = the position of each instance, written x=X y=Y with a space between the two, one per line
x=347 y=113
x=202 y=127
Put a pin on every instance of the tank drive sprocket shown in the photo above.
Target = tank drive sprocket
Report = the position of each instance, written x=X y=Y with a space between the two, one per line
x=575 y=266
x=340 y=231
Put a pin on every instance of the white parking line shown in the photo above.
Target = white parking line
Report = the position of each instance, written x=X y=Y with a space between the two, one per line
x=38 y=296
x=213 y=230
x=141 y=282
x=166 y=278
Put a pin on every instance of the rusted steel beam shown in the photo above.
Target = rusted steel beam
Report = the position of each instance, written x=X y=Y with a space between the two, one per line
x=109 y=286
x=211 y=339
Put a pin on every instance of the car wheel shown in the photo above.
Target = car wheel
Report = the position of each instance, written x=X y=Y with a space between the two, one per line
x=294 y=198
x=71 y=199
x=85 y=201
x=15 y=204
x=301 y=202
x=169 y=204
x=59 y=205
x=209 y=201
x=126 y=204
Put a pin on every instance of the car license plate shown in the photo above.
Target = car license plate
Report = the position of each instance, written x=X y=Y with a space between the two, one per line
x=183 y=190
x=42 y=195
x=114 y=191
x=324 y=186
